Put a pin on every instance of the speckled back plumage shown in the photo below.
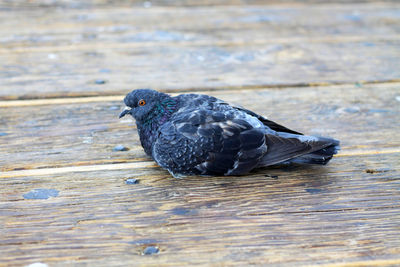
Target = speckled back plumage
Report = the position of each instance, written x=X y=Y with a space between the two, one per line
x=199 y=134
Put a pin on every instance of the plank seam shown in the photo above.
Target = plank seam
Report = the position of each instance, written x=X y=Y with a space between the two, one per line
x=105 y=97
x=385 y=262
x=76 y=47
x=87 y=168
x=133 y=165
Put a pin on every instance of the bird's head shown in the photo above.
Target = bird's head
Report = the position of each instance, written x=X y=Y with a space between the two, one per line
x=142 y=103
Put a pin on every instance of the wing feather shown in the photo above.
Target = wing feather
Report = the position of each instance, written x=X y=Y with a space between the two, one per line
x=221 y=142
x=272 y=125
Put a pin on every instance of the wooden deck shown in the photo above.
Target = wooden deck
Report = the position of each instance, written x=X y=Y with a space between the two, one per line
x=321 y=68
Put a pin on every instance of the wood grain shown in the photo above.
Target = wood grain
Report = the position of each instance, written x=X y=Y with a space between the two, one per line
x=329 y=68
x=64 y=53
x=175 y=3
x=62 y=135
x=205 y=25
x=301 y=215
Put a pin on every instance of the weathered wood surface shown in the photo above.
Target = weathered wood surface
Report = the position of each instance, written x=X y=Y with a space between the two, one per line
x=347 y=211
x=85 y=133
x=268 y=56
x=75 y=4
x=63 y=52
x=302 y=216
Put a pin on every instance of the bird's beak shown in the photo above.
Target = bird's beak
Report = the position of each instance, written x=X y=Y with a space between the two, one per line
x=127 y=110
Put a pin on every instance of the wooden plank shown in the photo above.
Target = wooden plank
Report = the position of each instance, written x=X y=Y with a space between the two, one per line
x=302 y=216
x=179 y=68
x=63 y=53
x=363 y=117
x=175 y=3
x=117 y=165
x=40 y=28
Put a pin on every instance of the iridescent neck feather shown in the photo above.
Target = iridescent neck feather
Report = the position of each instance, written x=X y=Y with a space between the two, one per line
x=148 y=127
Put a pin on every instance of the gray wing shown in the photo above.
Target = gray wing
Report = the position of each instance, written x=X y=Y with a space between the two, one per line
x=209 y=142
x=285 y=144
x=210 y=102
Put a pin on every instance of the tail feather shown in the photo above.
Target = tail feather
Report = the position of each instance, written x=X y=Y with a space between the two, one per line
x=321 y=156
x=287 y=147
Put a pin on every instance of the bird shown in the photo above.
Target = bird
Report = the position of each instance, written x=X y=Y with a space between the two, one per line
x=198 y=134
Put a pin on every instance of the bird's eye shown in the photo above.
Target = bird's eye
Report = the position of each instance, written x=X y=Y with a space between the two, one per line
x=141 y=102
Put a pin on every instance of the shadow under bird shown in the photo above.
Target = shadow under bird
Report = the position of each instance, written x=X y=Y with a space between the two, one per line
x=192 y=134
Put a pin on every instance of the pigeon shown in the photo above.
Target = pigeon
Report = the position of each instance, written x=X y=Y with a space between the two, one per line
x=194 y=134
